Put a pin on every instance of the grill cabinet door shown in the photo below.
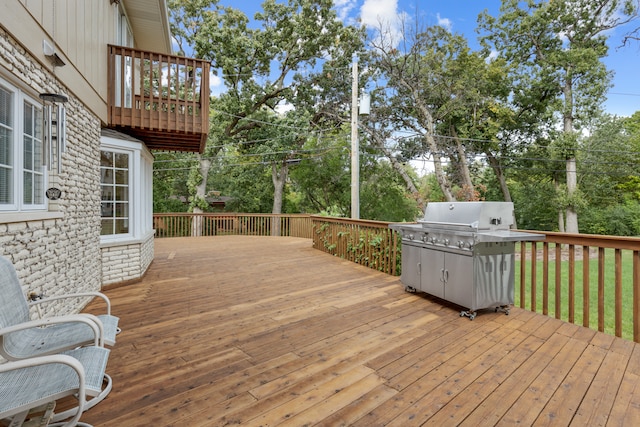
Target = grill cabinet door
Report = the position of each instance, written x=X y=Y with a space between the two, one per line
x=433 y=272
x=459 y=274
x=411 y=266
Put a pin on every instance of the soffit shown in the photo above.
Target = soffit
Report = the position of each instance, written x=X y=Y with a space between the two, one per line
x=150 y=24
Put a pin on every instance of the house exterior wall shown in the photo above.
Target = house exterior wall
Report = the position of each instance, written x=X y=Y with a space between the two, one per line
x=123 y=263
x=58 y=248
x=56 y=251
x=79 y=32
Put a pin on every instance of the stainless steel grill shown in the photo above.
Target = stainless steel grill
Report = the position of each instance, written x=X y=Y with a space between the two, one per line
x=464 y=253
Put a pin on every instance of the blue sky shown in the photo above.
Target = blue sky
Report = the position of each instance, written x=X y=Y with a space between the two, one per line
x=460 y=16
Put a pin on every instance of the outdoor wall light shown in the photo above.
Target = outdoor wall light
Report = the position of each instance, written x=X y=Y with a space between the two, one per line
x=54 y=115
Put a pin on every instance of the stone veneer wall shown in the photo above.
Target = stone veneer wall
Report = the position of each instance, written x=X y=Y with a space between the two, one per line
x=128 y=262
x=58 y=251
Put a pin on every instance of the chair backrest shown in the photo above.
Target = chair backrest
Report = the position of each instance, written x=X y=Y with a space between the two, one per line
x=13 y=305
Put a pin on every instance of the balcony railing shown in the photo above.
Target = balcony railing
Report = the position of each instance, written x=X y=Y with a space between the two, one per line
x=161 y=99
x=585 y=279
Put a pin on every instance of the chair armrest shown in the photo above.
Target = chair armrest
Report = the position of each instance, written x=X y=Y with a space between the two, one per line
x=52 y=359
x=92 y=321
x=75 y=295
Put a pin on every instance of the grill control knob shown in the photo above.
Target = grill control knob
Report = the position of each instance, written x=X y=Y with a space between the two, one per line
x=446 y=242
x=460 y=244
x=410 y=236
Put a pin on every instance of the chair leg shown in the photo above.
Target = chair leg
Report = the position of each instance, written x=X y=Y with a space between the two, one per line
x=89 y=404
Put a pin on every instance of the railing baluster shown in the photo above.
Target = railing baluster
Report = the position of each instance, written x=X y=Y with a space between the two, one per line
x=534 y=291
x=545 y=278
x=618 y=291
x=523 y=274
x=572 y=283
x=585 y=286
x=558 y=288
x=636 y=296
x=601 y=289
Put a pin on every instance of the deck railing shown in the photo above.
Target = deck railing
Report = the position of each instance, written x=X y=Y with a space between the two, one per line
x=219 y=224
x=164 y=99
x=369 y=243
x=589 y=280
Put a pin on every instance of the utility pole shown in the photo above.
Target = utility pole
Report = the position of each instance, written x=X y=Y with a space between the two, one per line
x=355 y=149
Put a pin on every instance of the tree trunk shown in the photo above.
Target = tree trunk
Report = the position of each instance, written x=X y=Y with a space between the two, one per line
x=572 y=185
x=279 y=178
x=201 y=190
x=467 y=185
x=560 y=212
x=426 y=120
x=572 y=176
x=397 y=166
x=497 y=170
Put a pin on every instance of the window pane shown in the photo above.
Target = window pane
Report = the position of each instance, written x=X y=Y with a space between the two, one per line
x=6 y=152
x=121 y=160
x=6 y=185
x=122 y=194
x=122 y=177
x=28 y=188
x=38 y=189
x=6 y=108
x=6 y=146
x=28 y=153
x=122 y=210
x=106 y=176
x=122 y=226
x=106 y=158
x=106 y=210
x=107 y=227
x=107 y=192
x=28 y=119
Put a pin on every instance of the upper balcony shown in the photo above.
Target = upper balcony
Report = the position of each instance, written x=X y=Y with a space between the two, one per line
x=160 y=99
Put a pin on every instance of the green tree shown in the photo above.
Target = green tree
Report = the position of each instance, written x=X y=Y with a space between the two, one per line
x=264 y=64
x=556 y=49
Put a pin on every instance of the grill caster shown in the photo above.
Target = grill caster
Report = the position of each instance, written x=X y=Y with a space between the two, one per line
x=410 y=289
x=470 y=314
x=503 y=308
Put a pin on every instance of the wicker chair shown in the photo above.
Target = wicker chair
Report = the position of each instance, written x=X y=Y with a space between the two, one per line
x=21 y=337
x=27 y=384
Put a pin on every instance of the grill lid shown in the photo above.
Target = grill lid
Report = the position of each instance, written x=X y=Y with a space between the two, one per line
x=469 y=215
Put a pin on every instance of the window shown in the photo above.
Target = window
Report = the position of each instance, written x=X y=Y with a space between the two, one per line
x=114 y=185
x=22 y=173
x=126 y=170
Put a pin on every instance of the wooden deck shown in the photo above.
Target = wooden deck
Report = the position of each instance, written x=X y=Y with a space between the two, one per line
x=260 y=331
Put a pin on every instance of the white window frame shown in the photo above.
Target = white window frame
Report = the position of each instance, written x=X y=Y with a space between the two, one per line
x=19 y=99
x=140 y=189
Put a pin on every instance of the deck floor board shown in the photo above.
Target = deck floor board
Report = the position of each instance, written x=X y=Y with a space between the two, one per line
x=260 y=331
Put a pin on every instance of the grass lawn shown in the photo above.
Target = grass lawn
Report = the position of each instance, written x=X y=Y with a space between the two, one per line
x=592 y=289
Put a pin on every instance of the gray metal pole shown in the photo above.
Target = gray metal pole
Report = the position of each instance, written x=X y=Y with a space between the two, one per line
x=355 y=149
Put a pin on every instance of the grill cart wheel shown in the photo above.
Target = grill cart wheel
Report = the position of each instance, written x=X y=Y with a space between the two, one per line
x=470 y=314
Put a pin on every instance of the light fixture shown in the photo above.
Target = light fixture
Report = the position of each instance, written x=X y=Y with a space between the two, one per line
x=50 y=53
x=54 y=114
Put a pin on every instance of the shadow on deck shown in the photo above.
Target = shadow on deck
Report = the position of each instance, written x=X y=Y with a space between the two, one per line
x=259 y=331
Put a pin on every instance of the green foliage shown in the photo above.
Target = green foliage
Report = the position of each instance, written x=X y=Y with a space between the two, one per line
x=615 y=220
x=532 y=205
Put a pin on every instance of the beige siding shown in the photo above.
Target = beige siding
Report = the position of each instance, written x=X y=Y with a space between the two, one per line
x=79 y=30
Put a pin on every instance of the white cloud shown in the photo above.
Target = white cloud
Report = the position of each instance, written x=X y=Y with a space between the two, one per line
x=283 y=107
x=444 y=22
x=216 y=85
x=383 y=16
x=344 y=8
